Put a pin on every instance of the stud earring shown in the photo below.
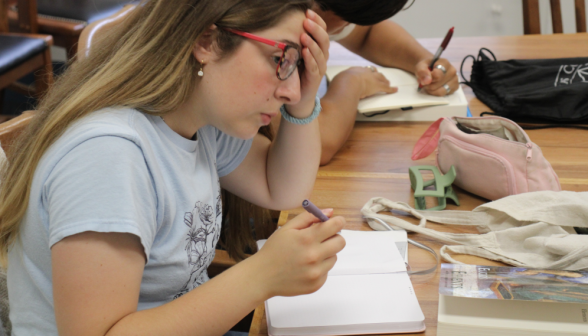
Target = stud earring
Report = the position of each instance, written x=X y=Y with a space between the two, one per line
x=201 y=72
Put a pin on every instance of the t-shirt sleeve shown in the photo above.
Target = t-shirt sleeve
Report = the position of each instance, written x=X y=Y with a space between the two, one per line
x=101 y=185
x=230 y=152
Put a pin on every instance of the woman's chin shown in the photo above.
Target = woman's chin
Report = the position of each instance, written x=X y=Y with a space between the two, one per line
x=243 y=134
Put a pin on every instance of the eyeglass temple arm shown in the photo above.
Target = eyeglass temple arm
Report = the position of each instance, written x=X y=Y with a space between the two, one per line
x=272 y=43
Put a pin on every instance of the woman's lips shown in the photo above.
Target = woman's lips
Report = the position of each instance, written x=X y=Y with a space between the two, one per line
x=266 y=118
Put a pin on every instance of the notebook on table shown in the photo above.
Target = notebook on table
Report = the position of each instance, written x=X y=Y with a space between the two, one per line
x=408 y=104
x=368 y=291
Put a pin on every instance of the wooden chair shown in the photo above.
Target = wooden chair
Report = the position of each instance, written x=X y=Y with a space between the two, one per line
x=66 y=19
x=12 y=128
x=21 y=54
x=532 y=22
x=100 y=28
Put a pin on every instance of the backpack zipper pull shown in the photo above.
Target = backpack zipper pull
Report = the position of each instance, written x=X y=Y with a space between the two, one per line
x=529 y=151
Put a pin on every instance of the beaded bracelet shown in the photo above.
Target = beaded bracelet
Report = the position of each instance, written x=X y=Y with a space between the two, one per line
x=288 y=117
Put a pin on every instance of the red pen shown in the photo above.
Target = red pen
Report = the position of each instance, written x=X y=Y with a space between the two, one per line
x=440 y=50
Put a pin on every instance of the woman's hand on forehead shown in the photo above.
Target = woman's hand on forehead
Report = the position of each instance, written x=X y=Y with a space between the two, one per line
x=315 y=52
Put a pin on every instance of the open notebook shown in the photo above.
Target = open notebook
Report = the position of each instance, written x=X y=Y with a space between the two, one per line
x=407 y=97
x=408 y=104
x=367 y=292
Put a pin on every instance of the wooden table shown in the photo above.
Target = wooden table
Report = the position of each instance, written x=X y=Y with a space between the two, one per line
x=375 y=160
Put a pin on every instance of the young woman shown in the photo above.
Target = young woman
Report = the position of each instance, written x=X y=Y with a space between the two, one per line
x=110 y=208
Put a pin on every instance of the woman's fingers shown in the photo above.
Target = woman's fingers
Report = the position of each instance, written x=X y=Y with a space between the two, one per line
x=422 y=73
x=317 y=54
x=445 y=89
x=318 y=41
x=325 y=230
x=317 y=28
x=316 y=18
x=305 y=220
x=332 y=246
x=443 y=77
x=374 y=82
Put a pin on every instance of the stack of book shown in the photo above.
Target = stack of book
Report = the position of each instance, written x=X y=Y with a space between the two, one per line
x=509 y=301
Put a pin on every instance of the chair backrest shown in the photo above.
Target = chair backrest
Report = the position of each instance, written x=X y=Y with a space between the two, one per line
x=532 y=21
x=12 y=128
x=99 y=28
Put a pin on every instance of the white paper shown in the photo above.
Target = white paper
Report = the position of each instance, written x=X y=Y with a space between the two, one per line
x=350 y=300
x=368 y=252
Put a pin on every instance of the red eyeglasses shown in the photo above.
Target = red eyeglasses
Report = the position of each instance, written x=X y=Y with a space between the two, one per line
x=289 y=60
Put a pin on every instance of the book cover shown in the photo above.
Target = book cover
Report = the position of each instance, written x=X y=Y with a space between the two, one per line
x=513 y=283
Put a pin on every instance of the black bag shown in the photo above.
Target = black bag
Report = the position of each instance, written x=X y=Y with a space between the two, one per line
x=548 y=91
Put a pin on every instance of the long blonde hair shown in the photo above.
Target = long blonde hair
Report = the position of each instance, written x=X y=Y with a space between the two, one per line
x=145 y=64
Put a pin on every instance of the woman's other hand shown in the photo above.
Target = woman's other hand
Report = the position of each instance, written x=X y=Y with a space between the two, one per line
x=295 y=260
x=371 y=81
x=315 y=53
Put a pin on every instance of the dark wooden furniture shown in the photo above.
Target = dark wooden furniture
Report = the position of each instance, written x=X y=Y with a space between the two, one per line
x=21 y=53
x=65 y=19
x=100 y=28
x=532 y=22
x=375 y=160
x=12 y=128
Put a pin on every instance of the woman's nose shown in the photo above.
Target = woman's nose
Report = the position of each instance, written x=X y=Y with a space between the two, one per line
x=288 y=90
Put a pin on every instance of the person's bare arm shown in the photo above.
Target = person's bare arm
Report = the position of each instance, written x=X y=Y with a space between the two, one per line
x=389 y=45
x=386 y=44
x=97 y=280
x=340 y=106
x=96 y=283
x=280 y=174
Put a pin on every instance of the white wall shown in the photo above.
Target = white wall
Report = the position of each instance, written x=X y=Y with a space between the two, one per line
x=432 y=18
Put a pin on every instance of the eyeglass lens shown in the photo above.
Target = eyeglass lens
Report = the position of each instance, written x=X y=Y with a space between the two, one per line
x=289 y=62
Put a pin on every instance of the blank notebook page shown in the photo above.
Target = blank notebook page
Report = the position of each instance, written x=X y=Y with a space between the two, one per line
x=368 y=252
x=368 y=290
x=334 y=304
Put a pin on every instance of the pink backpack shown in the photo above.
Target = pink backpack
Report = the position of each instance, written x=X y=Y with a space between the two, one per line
x=493 y=156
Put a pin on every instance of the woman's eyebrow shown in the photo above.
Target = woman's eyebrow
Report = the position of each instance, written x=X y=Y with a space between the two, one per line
x=291 y=43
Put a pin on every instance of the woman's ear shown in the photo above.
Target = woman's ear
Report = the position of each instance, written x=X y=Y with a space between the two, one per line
x=203 y=49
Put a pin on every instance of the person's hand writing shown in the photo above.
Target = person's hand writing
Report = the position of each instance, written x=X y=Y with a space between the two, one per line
x=371 y=81
x=433 y=81
x=295 y=260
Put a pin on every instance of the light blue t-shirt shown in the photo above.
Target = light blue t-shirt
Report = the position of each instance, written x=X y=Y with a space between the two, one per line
x=119 y=170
